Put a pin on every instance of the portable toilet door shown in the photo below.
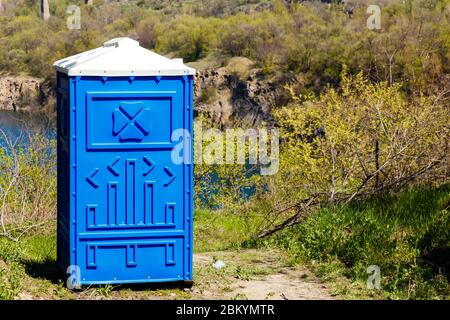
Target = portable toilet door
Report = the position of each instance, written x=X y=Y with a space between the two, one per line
x=124 y=196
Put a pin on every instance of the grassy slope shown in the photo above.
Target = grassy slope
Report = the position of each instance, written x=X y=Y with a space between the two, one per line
x=406 y=235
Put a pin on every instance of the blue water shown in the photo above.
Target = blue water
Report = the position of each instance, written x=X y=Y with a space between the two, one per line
x=17 y=128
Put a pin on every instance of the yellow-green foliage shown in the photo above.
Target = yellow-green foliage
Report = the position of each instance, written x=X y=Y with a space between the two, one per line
x=220 y=185
x=239 y=67
x=357 y=140
x=10 y=271
x=406 y=234
x=308 y=39
x=362 y=137
x=188 y=37
x=27 y=184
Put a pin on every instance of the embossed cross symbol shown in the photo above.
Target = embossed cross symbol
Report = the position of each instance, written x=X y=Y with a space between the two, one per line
x=129 y=122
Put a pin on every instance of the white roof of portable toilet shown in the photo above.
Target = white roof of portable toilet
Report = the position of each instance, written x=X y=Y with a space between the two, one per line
x=121 y=57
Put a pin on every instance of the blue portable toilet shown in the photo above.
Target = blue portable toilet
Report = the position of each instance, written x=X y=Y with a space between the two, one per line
x=125 y=207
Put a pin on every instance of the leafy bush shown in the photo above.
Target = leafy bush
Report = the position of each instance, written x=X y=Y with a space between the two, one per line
x=27 y=184
x=188 y=37
x=352 y=142
x=407 y=235
x=360 y=139
x=309 y=39
x=147 y=32
x=10 y=271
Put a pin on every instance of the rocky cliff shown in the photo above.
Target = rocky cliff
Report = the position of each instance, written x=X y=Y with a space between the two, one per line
x=231 y=95
x=236 y=94
x=22 y=93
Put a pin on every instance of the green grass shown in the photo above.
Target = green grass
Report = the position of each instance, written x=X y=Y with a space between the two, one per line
x=219 y=230
x=407 y=235
x=10 y=272
x=28 y=270
x=30 y=265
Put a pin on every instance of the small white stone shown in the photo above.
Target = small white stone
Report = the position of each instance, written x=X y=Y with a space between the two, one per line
x=219 y=264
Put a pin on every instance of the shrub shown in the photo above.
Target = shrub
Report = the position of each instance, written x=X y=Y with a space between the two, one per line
x=27 y=184
x=352 y=142
x=407 y=235
x=147 y=32
x=188 y=37
x=361 y=138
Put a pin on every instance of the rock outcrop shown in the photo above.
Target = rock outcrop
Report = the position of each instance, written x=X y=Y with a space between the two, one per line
x=231 y=97
x=22 y=93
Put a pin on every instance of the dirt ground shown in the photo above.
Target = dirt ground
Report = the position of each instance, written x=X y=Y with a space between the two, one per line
x=255 y=274
x=246 y=274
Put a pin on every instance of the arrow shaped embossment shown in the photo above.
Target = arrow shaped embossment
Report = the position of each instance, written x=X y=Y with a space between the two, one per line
x=111 y=167
x=150 y=165
x=90 y=178
x=171 y=175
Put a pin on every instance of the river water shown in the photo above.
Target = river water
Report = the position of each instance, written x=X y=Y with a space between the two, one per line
x=17 y=127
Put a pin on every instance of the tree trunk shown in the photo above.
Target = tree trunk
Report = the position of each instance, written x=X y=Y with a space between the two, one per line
x=45 y=10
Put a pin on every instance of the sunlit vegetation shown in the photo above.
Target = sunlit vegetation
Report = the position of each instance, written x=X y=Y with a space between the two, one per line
x=364 y=162
x=307 y=41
